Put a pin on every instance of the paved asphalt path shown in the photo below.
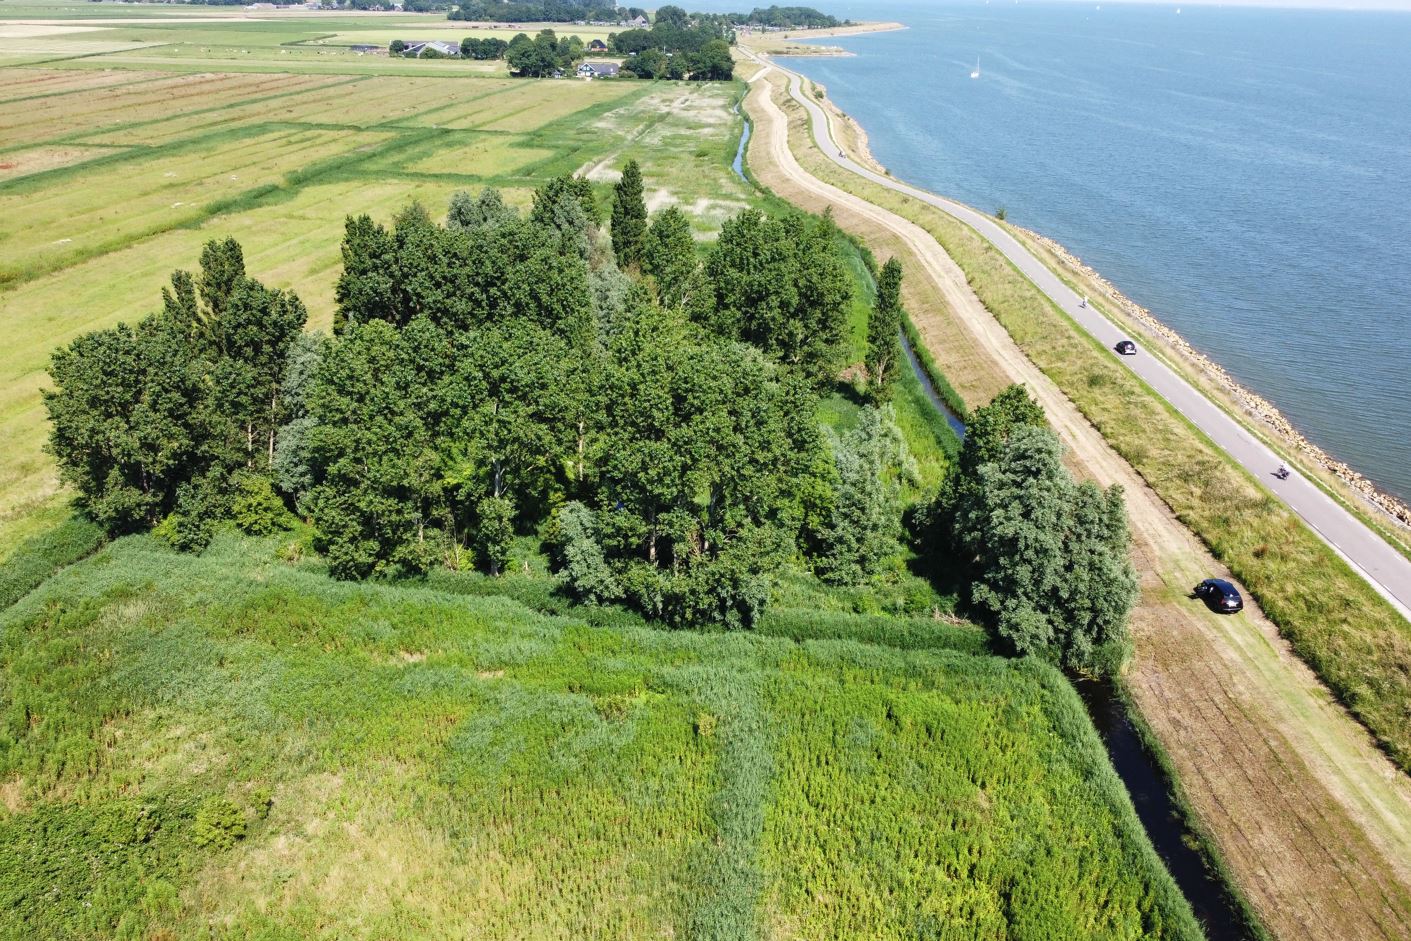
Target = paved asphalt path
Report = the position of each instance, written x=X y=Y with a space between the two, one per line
x=1387 y=570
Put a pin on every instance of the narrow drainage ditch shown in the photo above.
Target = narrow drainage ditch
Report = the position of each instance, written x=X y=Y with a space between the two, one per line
x=739 y=163
x=952 y=419
x=1150 y=790
x=1146 y=782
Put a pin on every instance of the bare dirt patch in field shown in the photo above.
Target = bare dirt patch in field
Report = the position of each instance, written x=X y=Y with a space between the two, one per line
x=31 y=30
x=24 y=162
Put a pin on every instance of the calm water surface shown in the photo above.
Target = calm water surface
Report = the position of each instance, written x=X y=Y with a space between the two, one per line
x=1244 y=173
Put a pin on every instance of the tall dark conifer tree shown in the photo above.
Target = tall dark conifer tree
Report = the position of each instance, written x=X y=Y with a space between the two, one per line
x=629 y=217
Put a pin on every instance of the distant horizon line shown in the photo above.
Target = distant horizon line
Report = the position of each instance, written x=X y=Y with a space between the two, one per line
x=1356 y=6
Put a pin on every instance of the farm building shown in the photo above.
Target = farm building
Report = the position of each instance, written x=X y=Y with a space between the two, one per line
x=597 y=45
x=598 y=70
x=417 y=48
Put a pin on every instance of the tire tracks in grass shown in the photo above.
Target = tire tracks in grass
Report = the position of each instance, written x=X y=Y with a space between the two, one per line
x=725 y=872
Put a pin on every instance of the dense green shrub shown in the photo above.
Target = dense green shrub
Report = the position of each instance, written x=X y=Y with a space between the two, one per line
x=583 y=565
x=256 y=509
x=219 y=824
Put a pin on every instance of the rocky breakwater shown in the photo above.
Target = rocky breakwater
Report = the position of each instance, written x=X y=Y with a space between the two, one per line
x=1255 y=406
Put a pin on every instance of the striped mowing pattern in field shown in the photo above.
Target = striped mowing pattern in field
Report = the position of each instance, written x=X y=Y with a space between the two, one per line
x=551 y=106
x=515 y=96
x=17 y=163
x=44 y=229
x=37 y=83
x=480 y=156
x=74 y=115
x=60 y=47
x=351 y=102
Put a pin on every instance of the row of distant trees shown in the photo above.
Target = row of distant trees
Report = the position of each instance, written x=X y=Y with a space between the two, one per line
x=662 y=52
x=574 y=11
x=542 y=11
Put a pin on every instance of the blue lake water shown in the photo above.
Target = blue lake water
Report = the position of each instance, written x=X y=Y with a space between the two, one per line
x=1244 y=173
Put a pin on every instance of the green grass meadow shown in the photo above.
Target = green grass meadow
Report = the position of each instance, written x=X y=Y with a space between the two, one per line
x=236 y=746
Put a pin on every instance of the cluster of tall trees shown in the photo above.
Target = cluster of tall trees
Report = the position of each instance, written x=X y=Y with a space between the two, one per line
x=679 y=45
x=543 y=11
x=1044 y=558
x=487 y=48
x=650 y=405
x=543 y=55
x=166 y=419
x=785 y=18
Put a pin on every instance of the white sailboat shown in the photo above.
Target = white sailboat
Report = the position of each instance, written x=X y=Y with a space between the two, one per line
x=976 y=73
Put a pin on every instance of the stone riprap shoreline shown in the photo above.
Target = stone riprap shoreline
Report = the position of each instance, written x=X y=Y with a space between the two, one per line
x=1255 y=406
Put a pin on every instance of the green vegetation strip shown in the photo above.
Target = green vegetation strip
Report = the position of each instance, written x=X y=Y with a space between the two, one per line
x=726 y=871
x=41 y=556
x=933 y=372
x=1335 y=621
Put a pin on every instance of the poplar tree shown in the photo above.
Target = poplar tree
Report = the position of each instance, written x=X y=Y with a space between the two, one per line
x=372 y=454
x=1051 y=574
x=629 y=217
x=669 y=256
x=883 y=346
x=780 y=285
x=865 y=526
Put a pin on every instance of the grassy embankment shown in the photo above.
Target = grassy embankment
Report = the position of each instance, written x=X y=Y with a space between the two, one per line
x=1355 y=641
x=174 y=758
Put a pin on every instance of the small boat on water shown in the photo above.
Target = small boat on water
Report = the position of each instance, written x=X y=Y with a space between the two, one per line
x=976 y=73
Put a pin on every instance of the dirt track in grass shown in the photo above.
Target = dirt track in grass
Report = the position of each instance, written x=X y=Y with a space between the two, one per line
x=1313 y=821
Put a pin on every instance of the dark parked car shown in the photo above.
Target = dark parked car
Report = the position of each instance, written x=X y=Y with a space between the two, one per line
x=1126 y=348
x=1220 y=595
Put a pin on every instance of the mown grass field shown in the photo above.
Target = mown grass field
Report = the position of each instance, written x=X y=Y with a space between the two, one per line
x=232 y=39
x=235 y=743
x=112 y=176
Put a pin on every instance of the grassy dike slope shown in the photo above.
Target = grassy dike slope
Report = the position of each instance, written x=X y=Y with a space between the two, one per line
x=238 y=742
x=1313 y=821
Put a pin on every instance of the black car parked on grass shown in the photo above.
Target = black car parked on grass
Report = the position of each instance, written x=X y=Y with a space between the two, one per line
x=1220 y=595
